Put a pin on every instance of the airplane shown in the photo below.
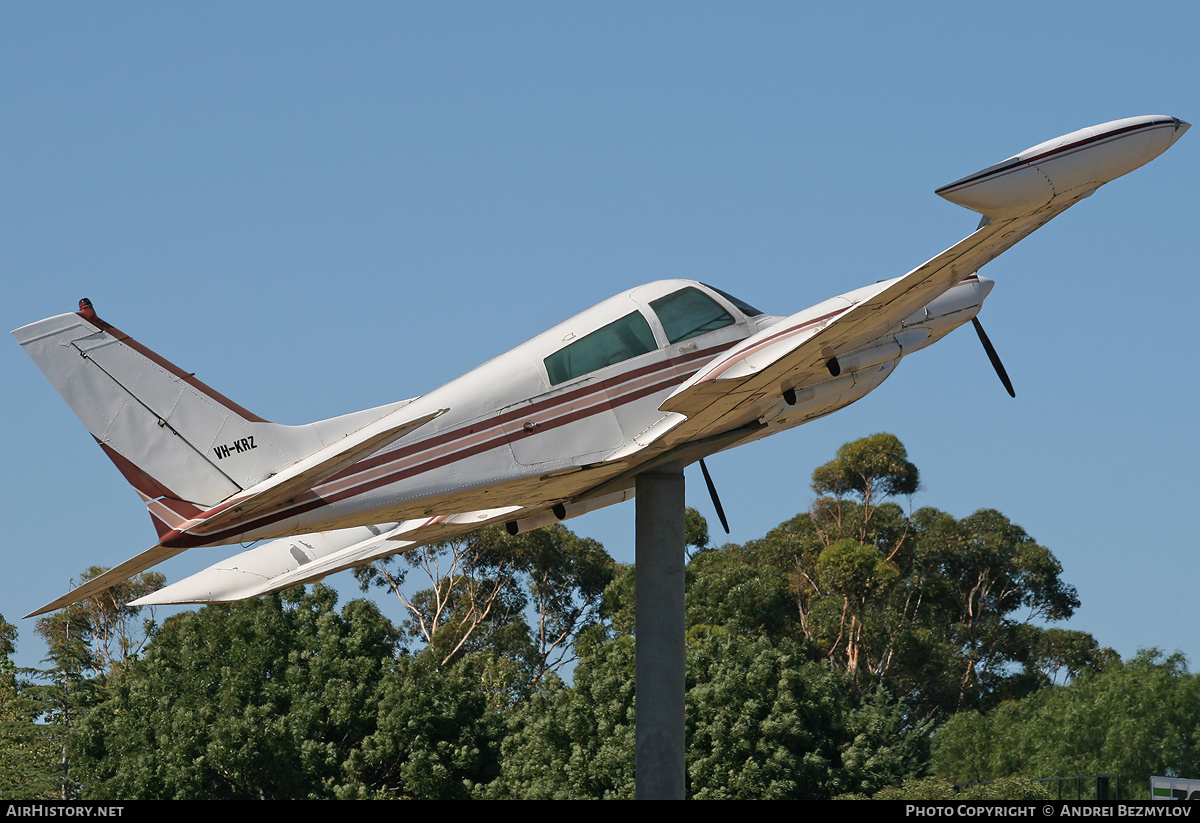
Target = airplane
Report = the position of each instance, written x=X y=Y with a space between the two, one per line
x=666 y=373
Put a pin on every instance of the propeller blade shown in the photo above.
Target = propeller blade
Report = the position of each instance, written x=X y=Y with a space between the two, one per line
x=712 y=492
x=995 y=358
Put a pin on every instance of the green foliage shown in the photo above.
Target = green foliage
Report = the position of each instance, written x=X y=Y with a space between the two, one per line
x=855 y=571
x=820 y=658
x=90 y=642
x=29 y=751
x=885 y=749
x=8 y=638
x=95 y=636
x=260 y=699
x=725 y=588
x=942 y=612
x=618 y=608
x=762 y=723
x=436 y=736
x=575 y=743
x=1134 y=719
x=869 y=469
x=480 y=586
x=565 y=575
x=695 y=530
x=935 y=788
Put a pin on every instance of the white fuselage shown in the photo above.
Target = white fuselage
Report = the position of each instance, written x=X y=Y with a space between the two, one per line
x=510 y=432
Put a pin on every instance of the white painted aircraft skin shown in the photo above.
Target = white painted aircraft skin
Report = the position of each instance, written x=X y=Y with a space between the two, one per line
x=507 y=443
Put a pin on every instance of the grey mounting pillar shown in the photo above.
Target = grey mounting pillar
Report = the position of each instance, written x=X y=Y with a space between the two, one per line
x=660 y=752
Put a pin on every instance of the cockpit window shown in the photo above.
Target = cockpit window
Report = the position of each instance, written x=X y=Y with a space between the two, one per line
x=689 y=312
x=618 y=341
x=742 y=305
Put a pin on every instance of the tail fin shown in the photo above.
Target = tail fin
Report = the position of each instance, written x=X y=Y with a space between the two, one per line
x=182 y=445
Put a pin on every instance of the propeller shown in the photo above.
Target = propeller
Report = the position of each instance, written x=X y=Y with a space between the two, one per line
x=991 y=353
x=712 y=492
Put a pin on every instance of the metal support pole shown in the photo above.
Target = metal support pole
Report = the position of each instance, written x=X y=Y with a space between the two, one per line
x=660 y=759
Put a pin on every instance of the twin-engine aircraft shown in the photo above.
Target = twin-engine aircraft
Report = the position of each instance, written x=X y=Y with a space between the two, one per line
x=665 y=373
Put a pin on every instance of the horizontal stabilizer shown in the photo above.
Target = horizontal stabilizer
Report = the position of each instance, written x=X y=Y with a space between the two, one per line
x=115 y=575
x=278 y=489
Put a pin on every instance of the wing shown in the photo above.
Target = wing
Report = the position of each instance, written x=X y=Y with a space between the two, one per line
x=798 y=350
x=1016 y=197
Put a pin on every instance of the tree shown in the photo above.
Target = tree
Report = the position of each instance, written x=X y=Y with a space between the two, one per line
x=762 y=722
x=887 y=748
x=95 y=636
x=8 y=638
x=946 y=613
x=437 y=736
x=565 y=576
x=577 y=742
x=727 y=589
x=482 y=586
x=90 y=642
x=869 y=469
x=934 y=788
x=987 y=582
x=471 y=602
x=859 y=575
x=264 y=698
x=1134 y=719
x=28 y=754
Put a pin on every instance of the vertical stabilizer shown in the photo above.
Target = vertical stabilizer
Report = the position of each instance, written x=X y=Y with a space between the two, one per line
x=182 y=445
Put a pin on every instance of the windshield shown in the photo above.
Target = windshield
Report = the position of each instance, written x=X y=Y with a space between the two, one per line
x=744 y=307
x=689 y=312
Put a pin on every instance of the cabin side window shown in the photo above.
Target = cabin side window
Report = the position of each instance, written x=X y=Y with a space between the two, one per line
x=689 y=312
x=618 y=341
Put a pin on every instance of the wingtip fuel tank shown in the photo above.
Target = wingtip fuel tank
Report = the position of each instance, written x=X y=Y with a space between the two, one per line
x=1065 y=168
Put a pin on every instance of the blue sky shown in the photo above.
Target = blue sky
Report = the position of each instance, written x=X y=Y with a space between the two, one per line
x=324 y=207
